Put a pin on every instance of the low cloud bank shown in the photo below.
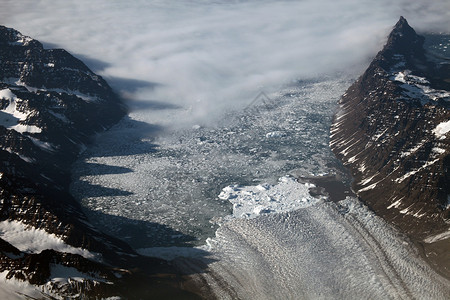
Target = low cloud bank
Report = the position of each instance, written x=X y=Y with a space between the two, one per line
x=208 y=56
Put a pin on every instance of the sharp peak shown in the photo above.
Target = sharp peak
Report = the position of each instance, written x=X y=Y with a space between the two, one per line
x=402 y=28
x=402 y=20
x=402 y=24
x=403 y=39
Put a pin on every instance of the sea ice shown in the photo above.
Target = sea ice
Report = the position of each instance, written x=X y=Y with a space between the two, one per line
x=171 y=172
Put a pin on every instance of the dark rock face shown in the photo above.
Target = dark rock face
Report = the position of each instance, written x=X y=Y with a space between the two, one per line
x=51 y=104
x=391 y=133
x=61 y=103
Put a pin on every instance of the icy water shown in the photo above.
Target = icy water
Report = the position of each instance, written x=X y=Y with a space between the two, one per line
x=145 y=172
x=231 y=191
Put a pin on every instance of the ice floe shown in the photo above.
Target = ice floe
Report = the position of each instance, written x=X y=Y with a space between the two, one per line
x=252 y=201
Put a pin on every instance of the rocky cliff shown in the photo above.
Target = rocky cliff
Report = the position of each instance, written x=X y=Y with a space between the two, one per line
x=392 y=131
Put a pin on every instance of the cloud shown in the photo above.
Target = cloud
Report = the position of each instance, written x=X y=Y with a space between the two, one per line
x=207 y=56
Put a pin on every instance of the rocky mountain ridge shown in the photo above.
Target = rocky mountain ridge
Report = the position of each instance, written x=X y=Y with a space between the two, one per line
x=51 y=105
x=392 y=132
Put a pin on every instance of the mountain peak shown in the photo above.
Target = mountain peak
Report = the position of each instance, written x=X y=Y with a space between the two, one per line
x=403 y=39
x=401 y=22
x=388 y=138
x=403 y=27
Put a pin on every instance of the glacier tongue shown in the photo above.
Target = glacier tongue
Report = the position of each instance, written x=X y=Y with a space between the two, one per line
x=325 y=251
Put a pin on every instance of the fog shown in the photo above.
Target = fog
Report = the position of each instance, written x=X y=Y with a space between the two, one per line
x=209 y=56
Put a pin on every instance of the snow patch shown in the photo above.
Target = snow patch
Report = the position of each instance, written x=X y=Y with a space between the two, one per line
x=370 y=187
x=15 y=289
x=60 y=276
x=352 y=159
x=26 y=128
x=418 y=87
x=438 y=237
x=11 y=115
x=405 y=211
x=426 y=165
x=395 y=204
x=369 y=179
x=376 y=137
x=32 y=240
x=362 y=167
x=438 y=150
x=442 y=129
x=31 y=89
x=412 y=150
x=21 y=40
x=400 y=76
x=63 y=275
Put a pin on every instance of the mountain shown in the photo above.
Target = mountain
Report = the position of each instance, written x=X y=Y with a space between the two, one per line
x=392 y=131
x=51 y=105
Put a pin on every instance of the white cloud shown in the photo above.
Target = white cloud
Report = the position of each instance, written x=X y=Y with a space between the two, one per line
x=209 y=55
